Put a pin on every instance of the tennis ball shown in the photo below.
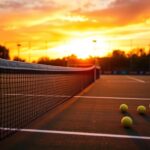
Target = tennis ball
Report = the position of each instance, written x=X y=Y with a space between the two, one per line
x=141 y=109
x=123 y=108
x=126 y=122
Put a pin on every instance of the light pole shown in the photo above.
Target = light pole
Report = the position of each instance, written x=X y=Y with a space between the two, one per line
x=29 y=54
x=131 y=61
x=46 y=49
x=94 y=41
x=18 y=45
x=149 y=57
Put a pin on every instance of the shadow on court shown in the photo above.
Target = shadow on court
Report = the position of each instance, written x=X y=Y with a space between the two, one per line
x=145 y=117
x=141 y=144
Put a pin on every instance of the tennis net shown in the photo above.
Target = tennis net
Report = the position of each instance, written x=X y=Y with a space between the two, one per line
x=29 y=90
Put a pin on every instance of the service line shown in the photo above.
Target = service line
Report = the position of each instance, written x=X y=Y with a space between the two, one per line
x=82 y=96
x=119 y=98
x=78 y=133
x=135 y=79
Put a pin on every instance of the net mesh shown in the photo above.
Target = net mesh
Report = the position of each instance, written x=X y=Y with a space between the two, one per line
x=28 y=91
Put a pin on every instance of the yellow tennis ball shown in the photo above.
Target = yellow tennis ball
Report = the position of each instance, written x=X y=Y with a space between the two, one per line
x=127 y=122
x=141 y=109
x=123 y=108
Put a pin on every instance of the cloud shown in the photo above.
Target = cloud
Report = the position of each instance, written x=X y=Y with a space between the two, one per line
x=57 y=19
x=10 y=4
x=105 y=12
x=130 y=10
x=25 y=4
x=84 y=5
x=119 y=12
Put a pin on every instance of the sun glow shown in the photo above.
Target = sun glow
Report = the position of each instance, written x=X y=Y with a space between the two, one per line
x=83 y=48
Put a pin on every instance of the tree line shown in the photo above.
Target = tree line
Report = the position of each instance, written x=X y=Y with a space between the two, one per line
x=134 y=60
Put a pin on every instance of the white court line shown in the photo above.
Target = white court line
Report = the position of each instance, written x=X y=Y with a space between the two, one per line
x=88 y=97
x=135 y=79
x=78 y=133
x=121 y=98
x=121 y=81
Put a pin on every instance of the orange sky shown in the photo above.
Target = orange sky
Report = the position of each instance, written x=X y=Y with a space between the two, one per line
x=61 y=27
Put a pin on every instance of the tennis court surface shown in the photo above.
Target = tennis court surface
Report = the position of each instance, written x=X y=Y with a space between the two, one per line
x=91 y=120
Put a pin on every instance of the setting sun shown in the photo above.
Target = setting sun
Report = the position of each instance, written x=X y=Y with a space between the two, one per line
x=82 y=48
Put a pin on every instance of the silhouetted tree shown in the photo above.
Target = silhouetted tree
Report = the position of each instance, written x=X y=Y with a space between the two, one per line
x=105 y=63
x=44 y=60
x=119 y=60
x=134 y=60
x=54 y=62
x=16 y=58
x=59 y=62
x=72 y=60
x=4 y=52
x=139 y=60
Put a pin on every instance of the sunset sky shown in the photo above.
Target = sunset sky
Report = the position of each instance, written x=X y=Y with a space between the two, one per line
x=61 y=27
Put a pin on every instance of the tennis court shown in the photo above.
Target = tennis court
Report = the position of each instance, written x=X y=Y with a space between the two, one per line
x=91 y=119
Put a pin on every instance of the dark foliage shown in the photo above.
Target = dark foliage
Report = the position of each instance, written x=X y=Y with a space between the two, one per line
x=55 y=62
x=136 y=60
x=4 y=52
x=133 y=61
x=16 y=58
